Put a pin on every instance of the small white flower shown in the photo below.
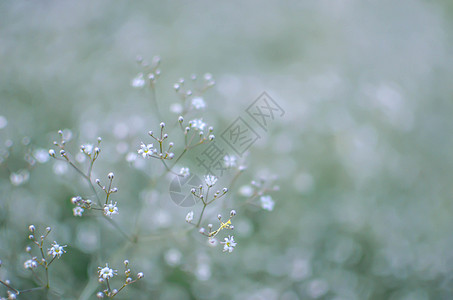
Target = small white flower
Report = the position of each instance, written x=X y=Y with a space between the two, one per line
x=30 y=264
x=184 y=172
x=229 y=244
x=77 y=211
x=56 y=250
x=176 y=108
x=189 y=217
x=106 y=272
x=246 y=191
x=87 y=148
x=146 y=150
x=131 y=157
x=210 y=180
x=138 y=81
x=197 y=124
x=230 y=161
x=41 y=155
x=19 y=178
x=267 y=203
x=212 y=241
x=198 y=103
x=110 y=209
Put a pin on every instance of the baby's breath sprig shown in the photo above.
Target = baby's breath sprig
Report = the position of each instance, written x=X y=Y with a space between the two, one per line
x=148 y=77
x=191 y=93
x=202 y=193
x=106 y=273
x=54 y=252
x=149 y=150
x=260 y=188
x=229 y=242
x=92 y=152
x=11 y=292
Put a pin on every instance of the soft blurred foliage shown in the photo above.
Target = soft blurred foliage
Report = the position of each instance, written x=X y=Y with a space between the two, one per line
x=362 y=154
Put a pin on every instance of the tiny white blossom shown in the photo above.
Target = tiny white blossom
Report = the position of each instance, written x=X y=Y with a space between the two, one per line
x=229 y=244
x=267 y=203
x=87 y=148
x=212 y=241
x=146 y=150
x=230 y=161
x=198 y=103
x=138 y=81
x=131 y=157
x=41 y=155
x=246 y=190
x=30 y=264
x=197 y=124
x=189 y=217
x=110 y=209
x=176 y=108
x=106 y=272
x=184 y=172
x=56 y=250
x=77 y=211
x=210 y=180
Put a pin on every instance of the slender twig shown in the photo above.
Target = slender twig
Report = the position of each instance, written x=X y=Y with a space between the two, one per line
x=10 y=287
x=201 y=215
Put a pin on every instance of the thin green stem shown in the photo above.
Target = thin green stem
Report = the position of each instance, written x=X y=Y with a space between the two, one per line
x=10 y=287
x=154 y=99
x=201 y=215
x=32 y=289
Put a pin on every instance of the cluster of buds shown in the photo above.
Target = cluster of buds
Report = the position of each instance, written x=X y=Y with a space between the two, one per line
x=109 y=208
x=149 y=150
x=106 y=273
x=55 y=251
x=195 y=128
x=92 y=152
x=81 y=204
x=197 y=89
x=202 y=193
x=149 y=74
x=259 y=189
x=228 y=242
x=210 y=233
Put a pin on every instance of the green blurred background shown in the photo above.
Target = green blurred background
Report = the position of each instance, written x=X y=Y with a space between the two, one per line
x=362 y=154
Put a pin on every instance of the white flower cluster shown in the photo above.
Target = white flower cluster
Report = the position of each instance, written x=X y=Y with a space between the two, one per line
x=148 y=150
x=106 y=273
x=149 y=75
